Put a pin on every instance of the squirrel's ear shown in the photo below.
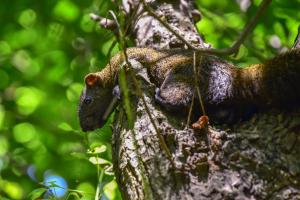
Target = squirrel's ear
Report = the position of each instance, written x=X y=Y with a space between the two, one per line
x=92 y=79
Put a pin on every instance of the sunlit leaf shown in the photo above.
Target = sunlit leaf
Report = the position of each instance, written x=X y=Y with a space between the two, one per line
x=24 y=132
x=98 y=161
x=97 y=150
x=87 y=190
x=27 y=18
x=110 y=189
x=28 y=99
x=66 y=10
x=65 y=126
x=12 y=189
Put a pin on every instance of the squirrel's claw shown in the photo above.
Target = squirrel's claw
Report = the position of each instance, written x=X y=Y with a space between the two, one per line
x=117 y=92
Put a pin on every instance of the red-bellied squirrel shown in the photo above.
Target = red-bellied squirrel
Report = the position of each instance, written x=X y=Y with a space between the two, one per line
x=229 y=92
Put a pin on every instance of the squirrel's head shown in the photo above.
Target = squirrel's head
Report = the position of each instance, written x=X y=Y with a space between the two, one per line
x=94 y=101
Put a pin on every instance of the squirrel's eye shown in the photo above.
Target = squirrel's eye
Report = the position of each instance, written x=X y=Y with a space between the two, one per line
x=87 y=100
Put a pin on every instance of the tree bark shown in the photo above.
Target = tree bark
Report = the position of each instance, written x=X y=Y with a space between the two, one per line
x=256 y=159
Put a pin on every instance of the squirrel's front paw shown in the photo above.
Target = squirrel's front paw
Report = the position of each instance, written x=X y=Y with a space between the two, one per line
x=161 y=100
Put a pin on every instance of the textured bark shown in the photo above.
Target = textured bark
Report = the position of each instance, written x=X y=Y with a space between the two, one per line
x=257 y=159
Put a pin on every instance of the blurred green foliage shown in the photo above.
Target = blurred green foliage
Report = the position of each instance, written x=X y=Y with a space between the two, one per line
x=275 y=32
x=46 y=48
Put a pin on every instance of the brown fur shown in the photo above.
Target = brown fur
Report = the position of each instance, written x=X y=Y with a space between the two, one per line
x=228 y=92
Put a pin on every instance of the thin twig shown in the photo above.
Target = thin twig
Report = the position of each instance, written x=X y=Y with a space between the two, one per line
x=135 y=11
x=227 y=51
x=108 y=55
x=117 y=23
x=196 y=73
x=190 y=111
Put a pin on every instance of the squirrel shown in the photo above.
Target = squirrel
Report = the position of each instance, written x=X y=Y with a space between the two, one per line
x=229 y=93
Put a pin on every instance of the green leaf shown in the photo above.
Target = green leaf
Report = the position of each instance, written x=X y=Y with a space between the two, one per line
x=27 y=18
x=37 y=193
x=65 y=126
x=52 y=184
x=28 y=99
x=97 y=150
x=76 y=195
x=99 y=161
x=24 y=132
x=111 y=189
x=66 y=10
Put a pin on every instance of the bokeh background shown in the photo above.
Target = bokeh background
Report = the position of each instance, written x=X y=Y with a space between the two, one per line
x=46 y=48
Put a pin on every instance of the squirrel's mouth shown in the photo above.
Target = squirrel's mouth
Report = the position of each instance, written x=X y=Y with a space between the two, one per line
x=91 y=124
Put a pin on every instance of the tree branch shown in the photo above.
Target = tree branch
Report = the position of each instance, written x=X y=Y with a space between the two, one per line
x=228 y=51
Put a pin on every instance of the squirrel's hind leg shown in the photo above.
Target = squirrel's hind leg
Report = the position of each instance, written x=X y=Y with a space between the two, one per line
x=176 y=92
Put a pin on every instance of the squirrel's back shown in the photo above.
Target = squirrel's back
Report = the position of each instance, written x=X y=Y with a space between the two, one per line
x=274 y=83
x=281 y=79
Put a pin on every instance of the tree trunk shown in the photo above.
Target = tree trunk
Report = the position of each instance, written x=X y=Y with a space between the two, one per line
x=256 y=159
